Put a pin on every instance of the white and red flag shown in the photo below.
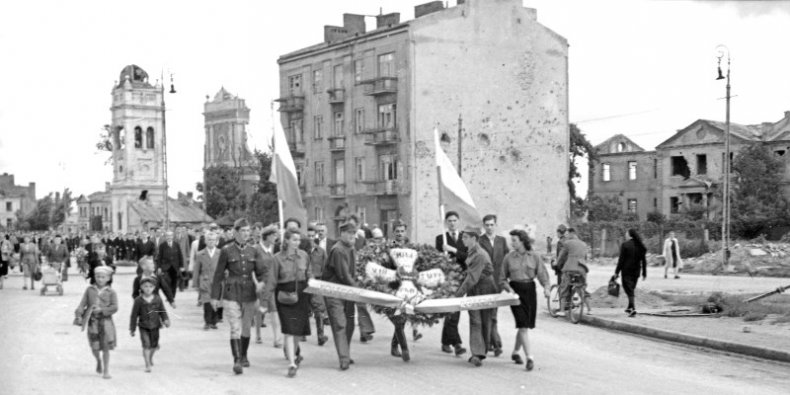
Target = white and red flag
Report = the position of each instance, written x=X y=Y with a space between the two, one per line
x=453 y=194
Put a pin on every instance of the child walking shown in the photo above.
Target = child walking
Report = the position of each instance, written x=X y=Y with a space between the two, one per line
x=149 y=314
x=98 y=305
x=147 y=270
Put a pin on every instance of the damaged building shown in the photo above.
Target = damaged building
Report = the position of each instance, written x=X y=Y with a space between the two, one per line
x=685 y=171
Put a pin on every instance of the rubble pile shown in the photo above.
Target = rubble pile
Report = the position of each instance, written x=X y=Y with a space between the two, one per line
x=646 y=299
x=754 y=259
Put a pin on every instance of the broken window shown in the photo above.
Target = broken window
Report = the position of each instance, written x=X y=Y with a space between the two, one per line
x=780 y=152
x=674 y=205
x=702 y=164
x=620 y=147
x=632 y=206
x=632 y=170
x=680 y=167
x=607 y=175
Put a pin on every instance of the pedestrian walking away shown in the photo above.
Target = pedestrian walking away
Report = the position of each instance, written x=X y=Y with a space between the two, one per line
x=520 y=268
x=239 y=291
x=631 y=263
x=98 y=304
x=570 y=262
x=672 y=257
x=148 y=313
x=479 y=280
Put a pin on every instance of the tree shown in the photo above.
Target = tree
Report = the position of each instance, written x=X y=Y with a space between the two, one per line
x=604 y=208
x=40 y=218
x=263 y=203
x=61 y=209
x=222 y=191
x=757 y=196
x=579 y=148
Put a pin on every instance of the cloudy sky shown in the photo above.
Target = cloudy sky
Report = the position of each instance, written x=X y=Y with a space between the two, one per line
x=642 y=68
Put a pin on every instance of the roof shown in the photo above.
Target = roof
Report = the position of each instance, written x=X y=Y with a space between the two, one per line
x=746 y=132
x=178 y=212
x=136 y=75
x=15 y=191
x=602 y=147
x=223 y=95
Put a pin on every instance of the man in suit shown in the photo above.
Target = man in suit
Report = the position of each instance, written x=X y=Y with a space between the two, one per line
x=496 y=247
x=146 y=246
x=58 y=257
x=451 y=339
x=366 y=327
x=170 y=262
x=323 y=241
x=205 y=265
x=339 y=269
x=571 y=261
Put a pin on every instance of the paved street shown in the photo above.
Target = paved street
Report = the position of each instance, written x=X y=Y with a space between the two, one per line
x=43 y=354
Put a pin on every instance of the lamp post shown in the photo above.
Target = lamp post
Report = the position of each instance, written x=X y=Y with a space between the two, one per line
x=164 y=150
x=725 y=221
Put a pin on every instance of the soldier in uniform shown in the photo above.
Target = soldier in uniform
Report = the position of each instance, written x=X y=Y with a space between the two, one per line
x=339 y=269
x=239 y=292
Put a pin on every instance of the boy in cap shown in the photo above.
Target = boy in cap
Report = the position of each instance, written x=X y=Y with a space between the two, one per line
x=149 y=314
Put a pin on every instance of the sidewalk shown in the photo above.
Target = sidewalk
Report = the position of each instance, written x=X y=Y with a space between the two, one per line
x=733 y=335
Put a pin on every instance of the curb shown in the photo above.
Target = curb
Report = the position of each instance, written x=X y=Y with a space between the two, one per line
x=720 y=345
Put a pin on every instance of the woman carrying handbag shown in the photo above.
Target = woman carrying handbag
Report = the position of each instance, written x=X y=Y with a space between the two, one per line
x=631 y=262
x=287 y=281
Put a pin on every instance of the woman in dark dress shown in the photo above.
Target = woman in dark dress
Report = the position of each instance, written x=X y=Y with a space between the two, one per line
x=631 y=262
x=289 y=273
x=521 y=266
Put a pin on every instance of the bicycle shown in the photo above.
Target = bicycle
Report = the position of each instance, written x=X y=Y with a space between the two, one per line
x=578 y=299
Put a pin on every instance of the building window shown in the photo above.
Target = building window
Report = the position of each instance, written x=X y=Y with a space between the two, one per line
x=632 y=170
x=295 y=84
x=387 y=116
x=338 y=129
x=655 y=203
x=106 y=214
x=388 y=167
x=359 y=169
x=338 y=76
x=149 y=138
x=359 y=120
x=680 y=167
x=702 y=164
x=606 y=172
x=655 y=168
x=318 y=76
x=120 y=221
x=9 y=206
x=300 y=174
x=632 y=206
x=318 y=126
x=297 y=134
x=319 y=173
x=722 y=162
x=319 y=213
x=387 y=65
x=362 y=214
x=138 y=137
x=340 y=171
x=620 y=147
x=359 y=69
x=674 y=205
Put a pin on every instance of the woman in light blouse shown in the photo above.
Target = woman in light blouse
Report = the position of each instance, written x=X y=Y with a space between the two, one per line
x=521 y=266
x=289 y=273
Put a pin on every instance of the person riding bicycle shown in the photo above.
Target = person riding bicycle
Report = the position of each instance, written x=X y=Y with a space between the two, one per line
x=571 y=262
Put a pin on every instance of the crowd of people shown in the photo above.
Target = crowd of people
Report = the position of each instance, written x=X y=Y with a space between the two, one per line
x=251 y=270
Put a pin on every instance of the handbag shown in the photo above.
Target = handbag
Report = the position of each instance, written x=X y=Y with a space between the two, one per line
x=38 y=275
x=614 y=287
x=291 y=298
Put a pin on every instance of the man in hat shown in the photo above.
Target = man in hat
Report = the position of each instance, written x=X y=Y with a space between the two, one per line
x=571 y=261
x=242 y=261
x=479 y=280
x=339 y=269
x=451 y=339
x=561 y=230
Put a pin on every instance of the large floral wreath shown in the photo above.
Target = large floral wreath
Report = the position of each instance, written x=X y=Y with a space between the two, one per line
x=428 y=258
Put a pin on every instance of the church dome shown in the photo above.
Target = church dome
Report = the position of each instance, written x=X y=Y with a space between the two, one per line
x=136 y=75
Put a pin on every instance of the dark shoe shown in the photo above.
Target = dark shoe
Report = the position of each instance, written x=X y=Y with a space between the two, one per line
x=299 y=359
x=476 y=361
x=395 y=351
x=665 y=276
x=213 y=326
x=245 y=345
x=447 y=349
x=322 y=340
x=459 y=350
x=258 y=340
x=351 y=361
x=530 y=364
x=263 y=325
x=405 y=355
x=629 y=310
x=292 y=371
x=205 y=327
x=235 y=347
x=632 y=313
x=677 y=277
x=344 y=365
x=416 y=335
x=497 y=352
x=516 y=359
x=365 y=338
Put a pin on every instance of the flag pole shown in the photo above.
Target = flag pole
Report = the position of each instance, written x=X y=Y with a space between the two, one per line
x=441 y=207
x=274 y=164
x=282 y=225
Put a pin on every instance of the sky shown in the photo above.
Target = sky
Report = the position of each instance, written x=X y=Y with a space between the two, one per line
x=641 y=68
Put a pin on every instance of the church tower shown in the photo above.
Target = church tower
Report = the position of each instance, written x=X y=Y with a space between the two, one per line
x=137 y=125
x=225 y=119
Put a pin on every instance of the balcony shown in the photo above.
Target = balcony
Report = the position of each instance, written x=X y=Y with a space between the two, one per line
x=337 y=190
x=380 y=86
x=337 y=143
x=293 y=103
x=383 y=188
x=382 y=136
x=297 y=148
x=336 y=96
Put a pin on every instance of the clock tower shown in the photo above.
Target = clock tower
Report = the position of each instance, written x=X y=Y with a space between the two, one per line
x=137 y=156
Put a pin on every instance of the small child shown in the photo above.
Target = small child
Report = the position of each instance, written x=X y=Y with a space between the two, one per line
x=147 y=271
x=98 y=305
x=149 y=314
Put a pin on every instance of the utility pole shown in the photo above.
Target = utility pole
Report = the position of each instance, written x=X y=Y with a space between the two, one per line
x=164 y=151
x=725 y=222
x=460 y=143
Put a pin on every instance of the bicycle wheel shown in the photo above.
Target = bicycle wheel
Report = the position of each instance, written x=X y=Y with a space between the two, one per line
x=577 y=305
x=553 y=300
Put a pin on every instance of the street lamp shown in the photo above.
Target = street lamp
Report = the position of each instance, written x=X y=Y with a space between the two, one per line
x=725 y=221
x=164 y=148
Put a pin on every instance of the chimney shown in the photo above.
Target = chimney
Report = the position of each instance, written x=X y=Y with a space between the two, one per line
x=334 y=33
x=387 y=20
x=427 y=8
x=31 y=187
x=354 y=24
x=189 y=196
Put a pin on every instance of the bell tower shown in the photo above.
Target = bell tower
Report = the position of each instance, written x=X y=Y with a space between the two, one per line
x=137 y=156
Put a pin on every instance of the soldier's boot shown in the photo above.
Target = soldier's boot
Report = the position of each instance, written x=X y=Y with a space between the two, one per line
x=235 y=348
x=245 y=345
